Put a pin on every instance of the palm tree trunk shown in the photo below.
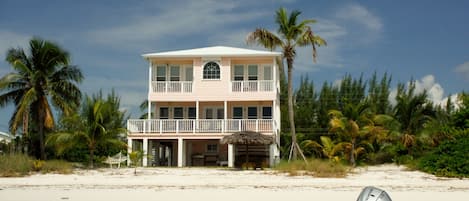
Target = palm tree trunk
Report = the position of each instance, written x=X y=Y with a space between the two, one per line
x=91 y=157
x=41 y=134
x=291 y=112
x=352 y=155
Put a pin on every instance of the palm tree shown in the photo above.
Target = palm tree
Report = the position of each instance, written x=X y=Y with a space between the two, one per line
x=349 y=124
x=412 y=111
x=327 y=148
x=41 y=81
x=144 y=109
x=99 y=123
x=290 y=35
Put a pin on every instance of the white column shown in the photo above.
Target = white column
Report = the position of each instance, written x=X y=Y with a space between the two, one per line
x=180 y=151
x=197 y=110
x=145 y=152
x=196 y=116
x=225 y=115
x=150 y=89
x=230 y=155
x=129 y=150
x=184 y=162
x=149 y=109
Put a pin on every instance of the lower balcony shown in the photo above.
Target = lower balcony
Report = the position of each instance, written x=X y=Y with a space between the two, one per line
x=199 y=126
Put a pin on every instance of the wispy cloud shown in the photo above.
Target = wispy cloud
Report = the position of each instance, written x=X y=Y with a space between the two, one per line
x=463 y=69
x=350 y=26
x=359 y=14
x=207 y=17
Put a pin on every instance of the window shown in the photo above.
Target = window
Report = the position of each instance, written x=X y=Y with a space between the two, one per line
x=177 y=113
x=191 y=112
x=237 y=112
x=252 y=72
x=164 y=113
x=267 y=112
x=209 y=113
x=161 y=73
x=252 y=112
x=211 y=71
x=189 y=72
x=174 y=73
x=211 y=148
x=267 y=72
x=239 y=73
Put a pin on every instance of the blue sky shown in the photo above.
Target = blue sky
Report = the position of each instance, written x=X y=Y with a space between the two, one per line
x=424 y=40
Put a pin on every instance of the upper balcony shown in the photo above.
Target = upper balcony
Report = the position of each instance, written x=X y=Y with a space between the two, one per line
x=235 y=86
x=177 y=126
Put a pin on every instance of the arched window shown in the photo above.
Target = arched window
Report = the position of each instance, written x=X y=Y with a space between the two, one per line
x=211 y=71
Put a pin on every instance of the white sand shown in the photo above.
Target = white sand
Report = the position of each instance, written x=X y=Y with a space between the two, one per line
x=225 y=184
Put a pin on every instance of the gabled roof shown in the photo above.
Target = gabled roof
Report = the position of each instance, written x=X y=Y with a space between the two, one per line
x=215 y=51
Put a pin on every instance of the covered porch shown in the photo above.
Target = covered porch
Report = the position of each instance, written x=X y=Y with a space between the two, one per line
x=197 y=152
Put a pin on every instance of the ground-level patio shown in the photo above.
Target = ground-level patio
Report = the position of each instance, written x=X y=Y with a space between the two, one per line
x=190 y=152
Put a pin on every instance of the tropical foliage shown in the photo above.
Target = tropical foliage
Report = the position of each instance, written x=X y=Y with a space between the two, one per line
x=291 y=34
x=42 y=80
x=98 y=125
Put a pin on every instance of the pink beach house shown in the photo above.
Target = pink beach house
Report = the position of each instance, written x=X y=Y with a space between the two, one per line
x=198 y=96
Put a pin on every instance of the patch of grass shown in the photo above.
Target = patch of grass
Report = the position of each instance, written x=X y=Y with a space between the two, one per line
x=18 y=165
x=57 y=166
x=315 y=167
x=15 y=165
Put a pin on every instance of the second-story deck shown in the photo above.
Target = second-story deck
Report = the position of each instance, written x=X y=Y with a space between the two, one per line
x=199 y=125
x=236 y=86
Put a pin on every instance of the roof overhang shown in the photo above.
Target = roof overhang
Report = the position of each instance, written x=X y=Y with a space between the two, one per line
x=216 y=52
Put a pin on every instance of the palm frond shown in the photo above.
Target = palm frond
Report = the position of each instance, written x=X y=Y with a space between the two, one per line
x=265 y=38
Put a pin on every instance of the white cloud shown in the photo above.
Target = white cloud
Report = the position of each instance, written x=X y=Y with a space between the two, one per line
x=454 y=99
x=427 y=83
x=463 y=69
x=360 y=15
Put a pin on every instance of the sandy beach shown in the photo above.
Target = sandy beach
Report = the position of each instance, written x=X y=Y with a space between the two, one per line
x=227 y=184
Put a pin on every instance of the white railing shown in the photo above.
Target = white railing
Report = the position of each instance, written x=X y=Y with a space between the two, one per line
x=171 y=86
x=198 y=126
x=252 y=86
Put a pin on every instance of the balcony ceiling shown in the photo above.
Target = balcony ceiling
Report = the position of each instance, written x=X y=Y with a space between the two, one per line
x=215 y=51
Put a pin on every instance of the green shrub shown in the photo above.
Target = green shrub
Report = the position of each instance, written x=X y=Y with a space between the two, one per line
x=315 y=167
x=449 y=159
x=15 y=165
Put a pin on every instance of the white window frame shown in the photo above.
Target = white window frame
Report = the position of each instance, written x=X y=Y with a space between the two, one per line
x=219 y=71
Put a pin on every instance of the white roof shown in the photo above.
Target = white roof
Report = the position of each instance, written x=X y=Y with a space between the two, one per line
x=215 y=51
x=5 y=135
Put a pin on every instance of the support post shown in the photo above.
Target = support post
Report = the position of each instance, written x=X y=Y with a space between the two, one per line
x=230 y=155
x=225 y=115
x=180 y=151
x=129 y=150
x=145 y=152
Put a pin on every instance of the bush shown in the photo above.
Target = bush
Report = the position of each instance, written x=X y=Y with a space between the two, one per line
x=315 y=167
x=15 y=165
x=449 y=159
